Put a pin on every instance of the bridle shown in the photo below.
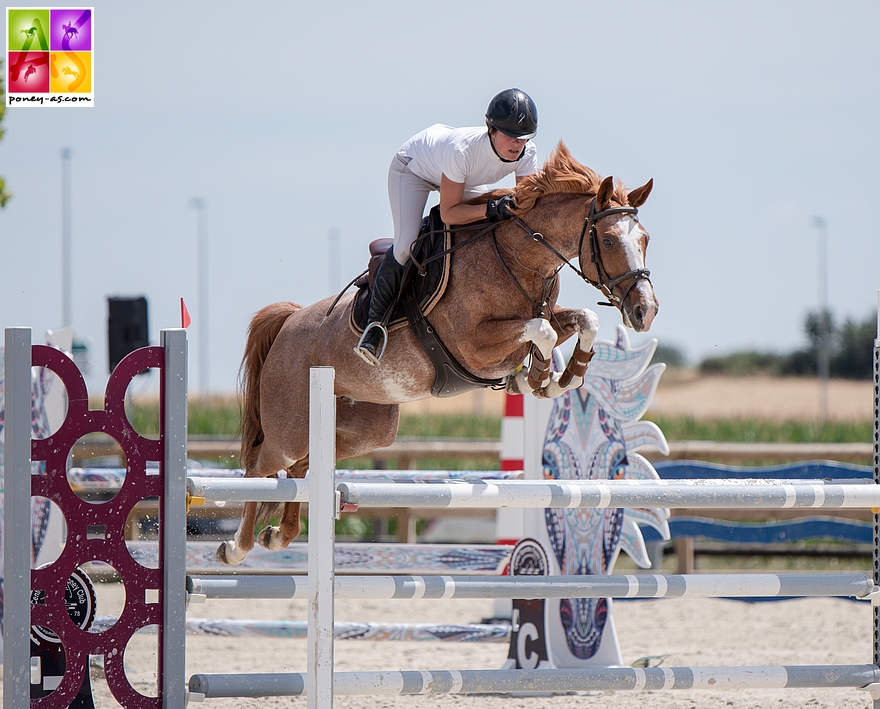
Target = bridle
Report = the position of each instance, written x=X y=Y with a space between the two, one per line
x=603 y=281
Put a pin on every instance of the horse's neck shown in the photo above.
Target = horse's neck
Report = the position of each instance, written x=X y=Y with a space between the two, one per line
x=559 y=220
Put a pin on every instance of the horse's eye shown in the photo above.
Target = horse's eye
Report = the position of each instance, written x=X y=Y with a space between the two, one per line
x=608 y=243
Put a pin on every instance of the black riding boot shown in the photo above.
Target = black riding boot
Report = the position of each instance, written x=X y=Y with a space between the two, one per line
x=372 y=344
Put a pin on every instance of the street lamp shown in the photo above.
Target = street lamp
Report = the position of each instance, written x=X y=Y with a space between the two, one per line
x=822 y=364
x=333 y=239
x=201 y=207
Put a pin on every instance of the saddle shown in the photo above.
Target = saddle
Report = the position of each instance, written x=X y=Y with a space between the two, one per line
x=427 y=289
x=421 y=289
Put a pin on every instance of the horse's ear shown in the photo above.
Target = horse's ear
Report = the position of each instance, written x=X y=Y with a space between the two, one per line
x=639 y=195
x=603 y=196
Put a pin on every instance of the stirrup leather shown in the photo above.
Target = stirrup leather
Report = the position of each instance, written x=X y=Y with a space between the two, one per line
x=363 y=352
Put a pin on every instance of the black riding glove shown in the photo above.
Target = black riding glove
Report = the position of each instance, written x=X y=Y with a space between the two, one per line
x=499 y=209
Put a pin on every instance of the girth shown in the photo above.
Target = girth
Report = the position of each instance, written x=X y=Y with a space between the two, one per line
x=450 y=378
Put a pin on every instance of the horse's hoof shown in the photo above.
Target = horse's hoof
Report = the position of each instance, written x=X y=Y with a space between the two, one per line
x=266 y=538
x=224 y=557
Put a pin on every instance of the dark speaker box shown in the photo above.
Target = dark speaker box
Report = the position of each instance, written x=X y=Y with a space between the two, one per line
x=126 y=327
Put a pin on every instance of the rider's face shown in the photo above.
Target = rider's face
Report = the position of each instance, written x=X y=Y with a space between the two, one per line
x=506 y=146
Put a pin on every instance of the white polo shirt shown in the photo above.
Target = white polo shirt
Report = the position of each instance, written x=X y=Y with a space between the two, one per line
x=464 y=155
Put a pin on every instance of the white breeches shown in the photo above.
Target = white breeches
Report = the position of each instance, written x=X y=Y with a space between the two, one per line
x=408 y=195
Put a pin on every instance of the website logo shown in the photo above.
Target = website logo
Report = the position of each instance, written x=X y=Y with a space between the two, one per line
x=50 y=56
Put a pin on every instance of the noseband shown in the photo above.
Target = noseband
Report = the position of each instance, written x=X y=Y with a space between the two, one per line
x=603 y=281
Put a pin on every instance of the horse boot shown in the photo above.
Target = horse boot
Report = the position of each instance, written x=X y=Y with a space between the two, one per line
x=386 y=285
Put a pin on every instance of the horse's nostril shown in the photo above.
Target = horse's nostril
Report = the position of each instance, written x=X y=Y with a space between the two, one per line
x=639 y=313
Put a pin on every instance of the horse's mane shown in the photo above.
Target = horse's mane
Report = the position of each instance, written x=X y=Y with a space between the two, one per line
x=561 y=174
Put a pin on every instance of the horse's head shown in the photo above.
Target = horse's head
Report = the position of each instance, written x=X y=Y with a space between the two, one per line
x=612 y=254
x=612 y=244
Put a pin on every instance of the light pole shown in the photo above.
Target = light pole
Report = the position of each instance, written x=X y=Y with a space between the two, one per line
x=201 y=207
x=822 y=363
x=66 y=245
x=333 y=238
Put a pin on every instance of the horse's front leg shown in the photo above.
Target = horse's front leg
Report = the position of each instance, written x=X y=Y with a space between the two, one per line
x=569 y=321
x=490 y=341
x=541 y=334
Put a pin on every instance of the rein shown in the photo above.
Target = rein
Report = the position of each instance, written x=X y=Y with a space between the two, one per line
x=420 y=265
x=546 y=283
x=604 y=283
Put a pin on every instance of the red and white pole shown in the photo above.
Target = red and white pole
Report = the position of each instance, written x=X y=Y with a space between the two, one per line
x=510 y=522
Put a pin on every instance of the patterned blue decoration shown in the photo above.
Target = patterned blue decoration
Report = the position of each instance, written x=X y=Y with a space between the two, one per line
x=594 y=433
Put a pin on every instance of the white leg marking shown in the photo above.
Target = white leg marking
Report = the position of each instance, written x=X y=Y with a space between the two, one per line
x=553 y=390
x=540 y=332
x=234 y=555
x=270 y=538
x=588 y=323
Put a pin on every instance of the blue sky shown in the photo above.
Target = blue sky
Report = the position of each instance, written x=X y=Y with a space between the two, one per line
x=752 y=118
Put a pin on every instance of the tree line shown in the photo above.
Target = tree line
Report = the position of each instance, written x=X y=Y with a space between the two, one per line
x=850 y=347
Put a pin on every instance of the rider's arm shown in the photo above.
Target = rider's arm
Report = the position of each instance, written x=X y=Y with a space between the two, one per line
x=452 y=211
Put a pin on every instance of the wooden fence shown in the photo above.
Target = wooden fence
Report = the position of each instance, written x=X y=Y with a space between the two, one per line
x=406 y=452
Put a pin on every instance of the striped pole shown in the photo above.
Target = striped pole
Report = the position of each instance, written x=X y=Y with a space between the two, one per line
x=597 y=494
x=498 y=633
x=529 y=587
x=504 y=681
x=601 y=494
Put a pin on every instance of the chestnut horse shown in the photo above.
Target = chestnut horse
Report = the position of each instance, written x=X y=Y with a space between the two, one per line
x=500 y=301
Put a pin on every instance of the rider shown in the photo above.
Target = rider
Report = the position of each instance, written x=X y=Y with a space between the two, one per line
x=460 y=163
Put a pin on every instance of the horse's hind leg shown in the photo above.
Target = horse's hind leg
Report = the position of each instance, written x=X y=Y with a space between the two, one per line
x=233 y=553
x=361 y=427
x=267 y=465
x=275 y=538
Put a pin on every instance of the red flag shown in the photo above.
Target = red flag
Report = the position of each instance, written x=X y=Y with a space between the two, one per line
x=185 y=319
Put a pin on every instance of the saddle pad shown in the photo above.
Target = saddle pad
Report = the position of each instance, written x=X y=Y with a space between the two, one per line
x=434 y=238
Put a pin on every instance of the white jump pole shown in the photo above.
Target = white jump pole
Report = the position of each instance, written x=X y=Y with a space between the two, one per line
x=442 y=588
x=391 y=683
x=596 y=494
x=601 y=494
x=322 y=536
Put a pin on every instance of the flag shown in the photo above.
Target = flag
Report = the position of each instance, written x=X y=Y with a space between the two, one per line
x=185 y=319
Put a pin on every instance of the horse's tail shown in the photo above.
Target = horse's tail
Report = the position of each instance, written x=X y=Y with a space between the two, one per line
x=262 y=332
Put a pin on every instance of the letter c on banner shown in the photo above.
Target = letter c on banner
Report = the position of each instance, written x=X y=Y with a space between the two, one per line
x=527 y=631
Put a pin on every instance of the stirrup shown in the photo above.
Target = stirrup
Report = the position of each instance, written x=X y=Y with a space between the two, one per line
x=363 y=352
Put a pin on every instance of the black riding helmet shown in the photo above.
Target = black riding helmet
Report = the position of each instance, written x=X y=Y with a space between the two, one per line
x=513 y=113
